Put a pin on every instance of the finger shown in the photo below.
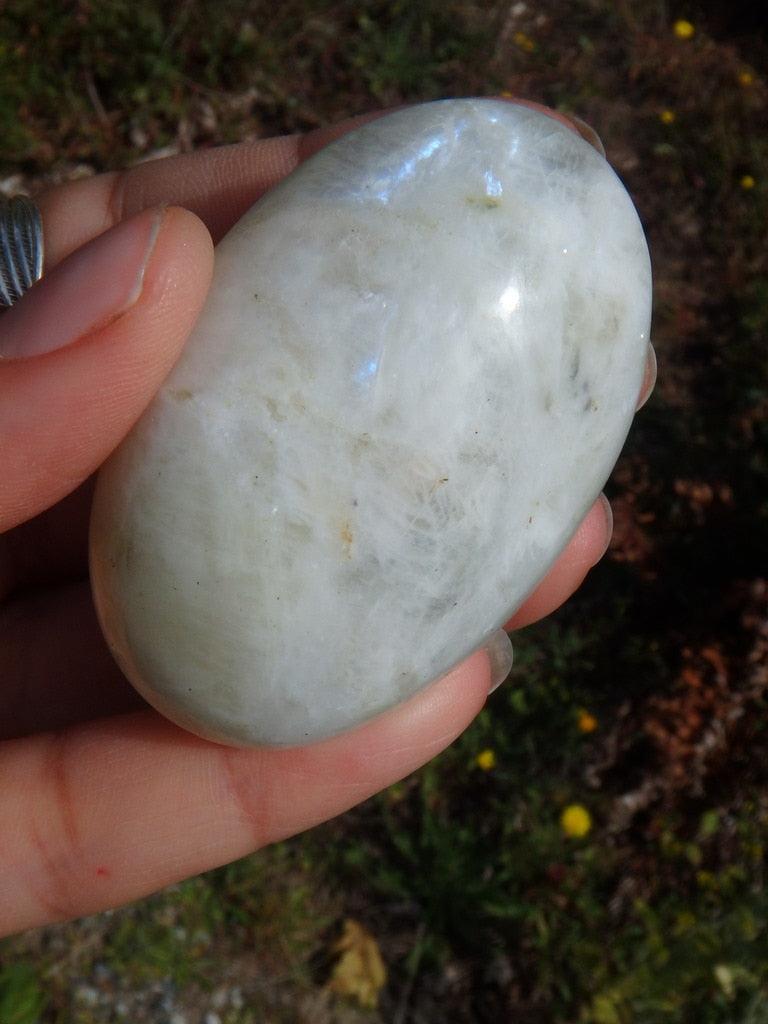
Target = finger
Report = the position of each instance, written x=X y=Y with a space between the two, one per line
x=218 y=185
x=649 y=377
x=110 y=811
x=585 y=548
x=581 y=128
x=82 y=354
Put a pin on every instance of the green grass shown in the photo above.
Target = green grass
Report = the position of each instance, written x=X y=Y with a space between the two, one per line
x=661 y=923
x=95 y=81
x=22 y=999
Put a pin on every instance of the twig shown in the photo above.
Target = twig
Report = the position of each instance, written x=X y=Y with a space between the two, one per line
x=402 y=1006
x=93 y=96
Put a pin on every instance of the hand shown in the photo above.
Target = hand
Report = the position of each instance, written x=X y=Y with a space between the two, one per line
x=101 y=799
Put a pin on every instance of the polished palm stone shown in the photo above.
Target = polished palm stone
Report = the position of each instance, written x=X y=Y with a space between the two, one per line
x=416 y=367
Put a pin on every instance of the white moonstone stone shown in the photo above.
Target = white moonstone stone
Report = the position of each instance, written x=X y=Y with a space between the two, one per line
x=415 y=370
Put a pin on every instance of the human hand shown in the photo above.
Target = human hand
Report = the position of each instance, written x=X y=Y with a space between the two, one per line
x=101 y=799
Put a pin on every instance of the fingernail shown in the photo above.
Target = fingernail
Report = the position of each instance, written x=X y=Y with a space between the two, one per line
x=498 y=647
x=586 y=131
x=608 y=513
x=649 y=380
x=90 y=289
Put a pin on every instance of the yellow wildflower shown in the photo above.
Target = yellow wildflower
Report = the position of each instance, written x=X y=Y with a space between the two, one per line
x=486 y=760
x=576 y=821
x=506 y=94
x=586 y=721
x=524 y=42
x=747 y=182
x=667 y=117
x=683 y=29
x=746 y=78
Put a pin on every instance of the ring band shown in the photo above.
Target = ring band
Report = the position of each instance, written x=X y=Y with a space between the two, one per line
x=21 y=247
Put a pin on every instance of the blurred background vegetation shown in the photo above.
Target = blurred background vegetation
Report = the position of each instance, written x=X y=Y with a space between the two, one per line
x=465 y=893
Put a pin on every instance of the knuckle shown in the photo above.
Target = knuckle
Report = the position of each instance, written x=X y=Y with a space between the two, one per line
x=54 y=838
x=247 y=784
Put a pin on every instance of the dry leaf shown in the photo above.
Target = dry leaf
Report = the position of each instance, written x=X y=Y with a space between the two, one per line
x=359 y=973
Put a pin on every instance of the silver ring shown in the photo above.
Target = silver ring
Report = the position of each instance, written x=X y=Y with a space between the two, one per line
x=21 y=247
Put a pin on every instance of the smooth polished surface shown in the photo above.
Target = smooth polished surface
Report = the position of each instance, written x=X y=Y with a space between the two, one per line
x=415 y=370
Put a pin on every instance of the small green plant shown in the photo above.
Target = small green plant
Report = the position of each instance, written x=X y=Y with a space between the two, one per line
x=22 y=1000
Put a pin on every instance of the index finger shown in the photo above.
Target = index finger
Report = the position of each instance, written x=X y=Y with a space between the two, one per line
x=219 y=185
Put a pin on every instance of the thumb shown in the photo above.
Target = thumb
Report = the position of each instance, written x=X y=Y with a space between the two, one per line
x=84 y=351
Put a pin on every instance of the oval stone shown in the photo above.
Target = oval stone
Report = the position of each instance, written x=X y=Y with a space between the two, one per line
x=416 y=367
